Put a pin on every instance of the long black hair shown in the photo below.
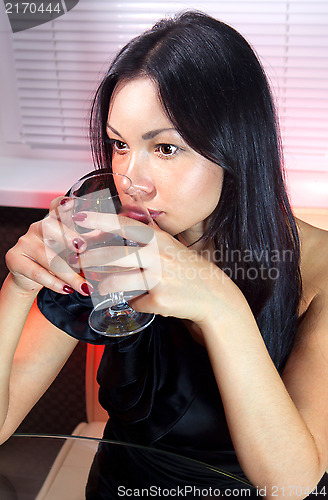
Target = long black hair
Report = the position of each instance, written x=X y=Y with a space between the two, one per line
x=214 y=90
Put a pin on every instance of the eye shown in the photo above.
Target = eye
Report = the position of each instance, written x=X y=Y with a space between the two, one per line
x=119 y=147
x=166 y=150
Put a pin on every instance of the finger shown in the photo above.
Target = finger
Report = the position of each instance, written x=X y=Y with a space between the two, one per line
x=53 y=269
x=118 y=256
x=43 y=277
x=123 y=226
x=30 y=249
x=62 y=203
x=59 y=236
x=137 y=279
x=61 y=209
x=30 y=271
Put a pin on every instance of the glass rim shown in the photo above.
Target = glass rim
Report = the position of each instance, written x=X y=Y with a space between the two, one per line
x=80 y=182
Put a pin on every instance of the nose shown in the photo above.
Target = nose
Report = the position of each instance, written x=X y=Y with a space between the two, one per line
x=139 y=173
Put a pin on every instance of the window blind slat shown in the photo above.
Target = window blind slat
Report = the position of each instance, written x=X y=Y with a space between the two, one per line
x=59 y=64
x=38 y=114
x=51 y=103
x=64 y=66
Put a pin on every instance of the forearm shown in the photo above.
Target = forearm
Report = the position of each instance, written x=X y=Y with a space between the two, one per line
x=273 y=444
x=14 y=309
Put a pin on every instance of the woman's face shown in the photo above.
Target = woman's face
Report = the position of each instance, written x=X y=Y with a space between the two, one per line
x=179 y=187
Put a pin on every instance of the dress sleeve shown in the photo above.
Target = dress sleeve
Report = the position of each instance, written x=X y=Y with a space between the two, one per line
x=70 y=313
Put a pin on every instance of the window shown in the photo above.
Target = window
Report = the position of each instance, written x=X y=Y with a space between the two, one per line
x=57 y=66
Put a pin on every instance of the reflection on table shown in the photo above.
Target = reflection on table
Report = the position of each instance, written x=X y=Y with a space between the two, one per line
x=48 y=467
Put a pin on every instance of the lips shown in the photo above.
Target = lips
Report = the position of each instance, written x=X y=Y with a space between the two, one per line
x=154 y=213
x=133 y=214
x=136 y=214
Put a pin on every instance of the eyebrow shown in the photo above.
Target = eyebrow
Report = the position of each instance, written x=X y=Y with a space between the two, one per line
x=147 y=136
x=153 y=133
x=113 y=130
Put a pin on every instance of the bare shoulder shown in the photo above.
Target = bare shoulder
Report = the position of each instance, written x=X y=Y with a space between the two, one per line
x=314 y=259
x=310 y=351
x=306 y=371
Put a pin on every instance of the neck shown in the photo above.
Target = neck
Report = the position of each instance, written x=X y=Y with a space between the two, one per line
x=195 y=242
x=192 y=237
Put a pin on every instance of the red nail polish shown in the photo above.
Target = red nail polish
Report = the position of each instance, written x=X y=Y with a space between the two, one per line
x=79 y=217
x=64 y=201
x=86 y=288
x=78 y=243
x=68 y=289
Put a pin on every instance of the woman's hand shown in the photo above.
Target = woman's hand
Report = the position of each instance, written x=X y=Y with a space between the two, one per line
x=191 y=287
x=34 y=262
x=179 y=281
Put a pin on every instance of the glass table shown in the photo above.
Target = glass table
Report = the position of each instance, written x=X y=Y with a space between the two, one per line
x=56 y=467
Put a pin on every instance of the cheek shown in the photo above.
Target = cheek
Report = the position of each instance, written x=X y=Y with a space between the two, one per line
x=212 y=179
x=203 y=189
x=119 y=163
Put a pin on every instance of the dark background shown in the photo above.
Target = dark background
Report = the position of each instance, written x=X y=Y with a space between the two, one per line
x=62 y=407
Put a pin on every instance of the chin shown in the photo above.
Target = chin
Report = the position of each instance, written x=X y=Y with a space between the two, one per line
x=168 y=228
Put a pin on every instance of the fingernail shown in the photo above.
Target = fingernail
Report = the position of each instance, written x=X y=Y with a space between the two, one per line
x=79 y=217
x=68 y=289
x=78 y=243
x=73 y=259
x=87 y=288
x=64 y=201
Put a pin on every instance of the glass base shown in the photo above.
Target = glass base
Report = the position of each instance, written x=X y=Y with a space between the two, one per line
x=117 y=320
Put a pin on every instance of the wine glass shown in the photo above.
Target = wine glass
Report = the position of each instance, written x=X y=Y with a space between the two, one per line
x=111 y=193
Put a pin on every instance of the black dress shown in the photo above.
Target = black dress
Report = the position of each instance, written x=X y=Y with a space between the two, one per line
x=159 y=390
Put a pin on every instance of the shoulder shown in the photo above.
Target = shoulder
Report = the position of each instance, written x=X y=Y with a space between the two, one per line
x=312 y=332
x=313 y=265
x=310 y=350
x=306 y=371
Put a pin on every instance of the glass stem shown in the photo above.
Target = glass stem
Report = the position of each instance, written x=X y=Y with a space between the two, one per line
x=119 y=304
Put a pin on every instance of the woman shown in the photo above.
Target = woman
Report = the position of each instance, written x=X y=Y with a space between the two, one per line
x=232 y=371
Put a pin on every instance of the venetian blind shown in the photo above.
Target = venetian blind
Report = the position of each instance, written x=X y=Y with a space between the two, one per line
x=59 y=64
